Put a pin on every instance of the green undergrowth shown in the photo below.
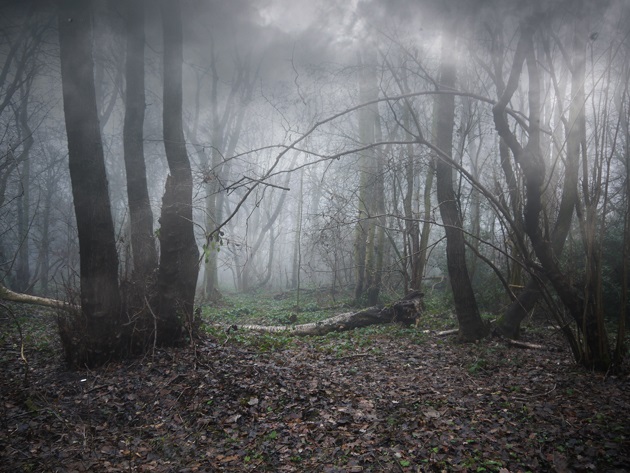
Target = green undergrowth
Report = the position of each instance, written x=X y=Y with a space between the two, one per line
x=27 y=330
x=271 y=309
x=265 y=309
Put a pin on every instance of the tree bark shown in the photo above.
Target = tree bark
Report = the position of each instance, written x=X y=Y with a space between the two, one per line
x=364 y=245
x=177 y=276
x=378 y=246
x=471 y=326
x=144 y=252
x=297 y=253
x=23 y=271
x=509 y=323
x=100 y=300
x=596 y=354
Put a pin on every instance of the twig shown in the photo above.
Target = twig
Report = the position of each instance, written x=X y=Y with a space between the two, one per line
x=154 y=327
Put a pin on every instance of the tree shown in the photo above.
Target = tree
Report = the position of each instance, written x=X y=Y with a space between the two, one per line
x=584 y=308
x=179 y=265
x=145 y=257
x=25 y=137
x=100 y=298
x=99 y=334
x=471 y=326
x=367 y=252
x=24 y=31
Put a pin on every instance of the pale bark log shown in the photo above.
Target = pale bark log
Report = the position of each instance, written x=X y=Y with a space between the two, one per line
x=406 y=311
x=8 y=295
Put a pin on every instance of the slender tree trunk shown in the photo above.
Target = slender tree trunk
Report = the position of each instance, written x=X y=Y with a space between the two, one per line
x=177 y=276
x=378 y=200
x=365 y=229
x=23 y=201
x=23 y=270
x=100 y=299
x=471 y=326
x=426 y=224
x=214 y=215
x=144 y=252
x=297 y=254
x=509 y=323
x=44 y=244
x=596 y=353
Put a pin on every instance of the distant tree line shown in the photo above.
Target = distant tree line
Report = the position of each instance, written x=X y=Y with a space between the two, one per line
x=484 y=144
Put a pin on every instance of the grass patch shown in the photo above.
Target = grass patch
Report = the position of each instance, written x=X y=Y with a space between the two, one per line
x=264 y=309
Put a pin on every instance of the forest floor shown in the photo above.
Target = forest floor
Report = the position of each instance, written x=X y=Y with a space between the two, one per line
x=378 y=399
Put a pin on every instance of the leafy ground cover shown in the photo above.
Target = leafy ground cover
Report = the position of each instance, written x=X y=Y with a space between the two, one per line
x=378 y=399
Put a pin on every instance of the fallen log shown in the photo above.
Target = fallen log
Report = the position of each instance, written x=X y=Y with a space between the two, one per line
x=406 y=311
x=8 y=295
x=521 y=344
x=445 y=333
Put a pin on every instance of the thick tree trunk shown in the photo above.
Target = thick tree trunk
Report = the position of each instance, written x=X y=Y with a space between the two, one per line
x=177 y=276
x=100 y=300
x=145 y=258
x=471 y=326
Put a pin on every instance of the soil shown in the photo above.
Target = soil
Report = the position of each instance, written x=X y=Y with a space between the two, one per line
x=385 y=402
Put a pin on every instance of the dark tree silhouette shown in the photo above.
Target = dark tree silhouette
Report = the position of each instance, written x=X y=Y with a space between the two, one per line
x=145 y=258
x=100 y=298
x=179 y=265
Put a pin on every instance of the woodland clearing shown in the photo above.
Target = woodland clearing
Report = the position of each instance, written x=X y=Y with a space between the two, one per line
x=381 y=398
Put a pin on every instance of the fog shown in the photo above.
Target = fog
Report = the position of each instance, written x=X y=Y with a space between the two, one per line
x=302 y=122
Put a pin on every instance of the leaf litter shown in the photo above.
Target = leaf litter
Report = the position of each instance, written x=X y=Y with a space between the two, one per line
x=394 y=404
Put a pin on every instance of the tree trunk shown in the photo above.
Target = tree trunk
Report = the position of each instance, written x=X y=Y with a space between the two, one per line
x=426 y=224
x=23 y=270
x=44 y=244
x=596 y=354
x=144 y=252
x=297 y=253
x=100 y=300
x=177 y=276
x=509 y=323
x=471 y=326
x=378 y=245
x=366 y=225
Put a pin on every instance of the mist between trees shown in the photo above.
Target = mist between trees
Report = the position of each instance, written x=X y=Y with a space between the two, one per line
x=152 y=158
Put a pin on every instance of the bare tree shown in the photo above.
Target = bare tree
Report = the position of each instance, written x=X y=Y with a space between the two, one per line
x=471 y=326
x=179 y=267
x=145 y=257
x=100 y=298
x=584 y=308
